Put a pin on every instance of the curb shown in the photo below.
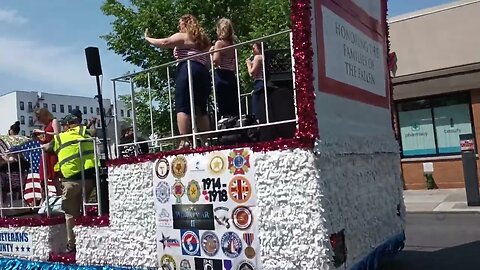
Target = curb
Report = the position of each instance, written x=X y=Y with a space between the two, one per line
x=445 y=212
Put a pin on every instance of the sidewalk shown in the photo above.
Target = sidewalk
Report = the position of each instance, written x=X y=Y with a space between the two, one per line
x=438 y=200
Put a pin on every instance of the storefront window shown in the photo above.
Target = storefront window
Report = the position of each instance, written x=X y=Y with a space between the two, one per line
x=433 y=126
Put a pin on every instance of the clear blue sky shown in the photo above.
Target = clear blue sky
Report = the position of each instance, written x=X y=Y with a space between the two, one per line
x=42 y=44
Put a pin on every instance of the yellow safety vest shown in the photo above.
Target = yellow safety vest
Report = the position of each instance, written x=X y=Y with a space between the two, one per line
x=68 y=151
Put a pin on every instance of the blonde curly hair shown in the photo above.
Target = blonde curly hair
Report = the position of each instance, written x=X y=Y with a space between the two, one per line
x=195 y=31
x=225 y=30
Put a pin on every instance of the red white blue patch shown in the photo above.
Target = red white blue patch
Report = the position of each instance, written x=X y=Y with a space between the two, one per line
x=190 y=242
x=231 y=244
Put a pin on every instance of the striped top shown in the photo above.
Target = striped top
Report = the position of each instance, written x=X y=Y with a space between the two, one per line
x=181 y=53
x=227 y=58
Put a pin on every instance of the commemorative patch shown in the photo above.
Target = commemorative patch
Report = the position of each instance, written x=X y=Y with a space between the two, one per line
x=239 y=161
x=178 y=189
x=231 y=244
x=162 y=168
x=190 y=242
x=249 y=251
x=193 y=191
x=239 y=189
x=162 y=192
x=222 y=217
x=245 y=265
x=242 y=217
x=185 y=265
x=210 y=243
x=179 y=166
x=217 y=164
x=208 y=264
x=164 y=219
x=227 y=264
x=168 y=242
x=167 y=262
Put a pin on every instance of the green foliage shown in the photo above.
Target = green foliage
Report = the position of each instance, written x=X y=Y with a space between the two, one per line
x=251 y=19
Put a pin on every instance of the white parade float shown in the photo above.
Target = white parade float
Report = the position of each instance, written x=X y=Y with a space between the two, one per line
x=330 y=197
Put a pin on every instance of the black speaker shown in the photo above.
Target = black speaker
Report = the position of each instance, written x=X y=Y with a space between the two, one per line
x=93 y=61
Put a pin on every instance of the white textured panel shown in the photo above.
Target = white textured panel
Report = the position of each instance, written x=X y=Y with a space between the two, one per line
x=44 y=239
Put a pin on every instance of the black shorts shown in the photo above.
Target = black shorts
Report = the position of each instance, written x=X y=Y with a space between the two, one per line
x=89 y=174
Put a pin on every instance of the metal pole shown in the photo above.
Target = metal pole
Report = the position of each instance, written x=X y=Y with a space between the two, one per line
x=115 y=122
x=21 y=179
x=293 y=78
x=134 y=115
x=170 y=100
x=45 y=181
x=10 y=183
x=192 y=105
x=238 y=89
x=214 y=93
x=82 y=165
x=102 y=117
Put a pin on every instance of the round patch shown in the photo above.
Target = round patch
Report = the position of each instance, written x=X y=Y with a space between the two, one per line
x=178 y=189
x=245 y=266
x=185 y=265
x=162 y=192
x=193 y=191
x=162 y=168
x=242 y=217
x=179 y=166
x=231 y=244
x=239 y=161
x=217 y=164
x=250 y=252
x=190 y=243
x=210 y=244
x=167 y=263
x=239 y=189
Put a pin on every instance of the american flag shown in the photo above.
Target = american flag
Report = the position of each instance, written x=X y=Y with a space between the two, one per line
x=33 y=184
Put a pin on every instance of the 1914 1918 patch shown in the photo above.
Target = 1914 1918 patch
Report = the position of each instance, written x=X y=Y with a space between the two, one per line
x=231 y=244
x=162 y=192
x=210 y=243
x=240 y=189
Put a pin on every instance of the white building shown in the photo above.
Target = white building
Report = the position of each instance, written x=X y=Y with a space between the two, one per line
x=21 y=106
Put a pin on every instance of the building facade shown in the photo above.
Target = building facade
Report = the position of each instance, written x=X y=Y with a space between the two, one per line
x=436 y=89
x=21 y=106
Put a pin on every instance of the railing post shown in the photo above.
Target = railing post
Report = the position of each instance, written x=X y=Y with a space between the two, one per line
x=170 y=101
x=115 y=122
x=10 y=183
x=150 y=101
x=21 y=179
x=293 y=78
x=45 y=181
x=82 y=165
x=265 y=84
x=192 y=104
x=97 y=180
x=134 y=115
x=238 y=89
x=214 y=92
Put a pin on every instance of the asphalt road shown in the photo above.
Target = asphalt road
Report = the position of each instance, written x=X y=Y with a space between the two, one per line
x=440 y=242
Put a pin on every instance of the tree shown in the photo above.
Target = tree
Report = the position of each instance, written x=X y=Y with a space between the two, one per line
x=251 y=19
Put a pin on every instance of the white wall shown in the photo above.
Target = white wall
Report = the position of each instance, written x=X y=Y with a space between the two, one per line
x=8 y=111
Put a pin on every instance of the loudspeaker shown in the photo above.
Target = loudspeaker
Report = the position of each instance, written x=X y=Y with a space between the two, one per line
x=93 y=61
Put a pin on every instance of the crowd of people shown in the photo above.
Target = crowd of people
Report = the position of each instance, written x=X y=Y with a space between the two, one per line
x=191 y=39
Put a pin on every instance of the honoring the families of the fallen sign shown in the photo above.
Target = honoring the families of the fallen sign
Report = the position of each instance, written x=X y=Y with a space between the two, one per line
x=15 y=243
x=205 y=208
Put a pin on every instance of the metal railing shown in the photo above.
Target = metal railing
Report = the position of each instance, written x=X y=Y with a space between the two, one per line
x=14 y=185
x=160 y=139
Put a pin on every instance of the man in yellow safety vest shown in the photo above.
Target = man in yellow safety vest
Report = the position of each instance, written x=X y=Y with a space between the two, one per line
x=74 y=148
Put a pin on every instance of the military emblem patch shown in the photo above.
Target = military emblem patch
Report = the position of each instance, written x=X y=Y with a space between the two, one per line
x=179 y=166
x=167 y=262
x=231 y=244
x=245 y=265
x=193 y=191
x=242 y=217
x=239 y=161
x=239 y=189
x=185 y=265
x=162 y=192
x=217 y=164
x=162 y=168
x=210 y=244
x=178 y=189
x=190 y=243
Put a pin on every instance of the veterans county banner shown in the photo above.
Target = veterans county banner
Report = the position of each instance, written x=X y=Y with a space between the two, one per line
x=206 y=211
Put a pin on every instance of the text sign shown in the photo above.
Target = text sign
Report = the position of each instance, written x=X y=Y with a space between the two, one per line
x=193 y=216
x=15 y=243
x=351 y=57
x=467 y=145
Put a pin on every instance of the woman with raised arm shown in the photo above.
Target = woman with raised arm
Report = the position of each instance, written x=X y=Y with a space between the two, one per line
x=190 y=40
x=224 y=62
x=255 y=69
x=51 y=127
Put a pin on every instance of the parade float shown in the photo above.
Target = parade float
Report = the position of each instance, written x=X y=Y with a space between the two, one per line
x=330 y=197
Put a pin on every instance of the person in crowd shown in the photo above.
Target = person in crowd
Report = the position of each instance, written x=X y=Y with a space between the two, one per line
x=14 y=129
x=190 y=40
x=224 y=62
x=255 y=69
x=91 y=124
x=51 y=127
x=129 y=150
x=71 y=165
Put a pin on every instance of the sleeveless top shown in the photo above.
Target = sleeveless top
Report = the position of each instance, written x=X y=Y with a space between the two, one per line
x=227 y=60
x=181 y=53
